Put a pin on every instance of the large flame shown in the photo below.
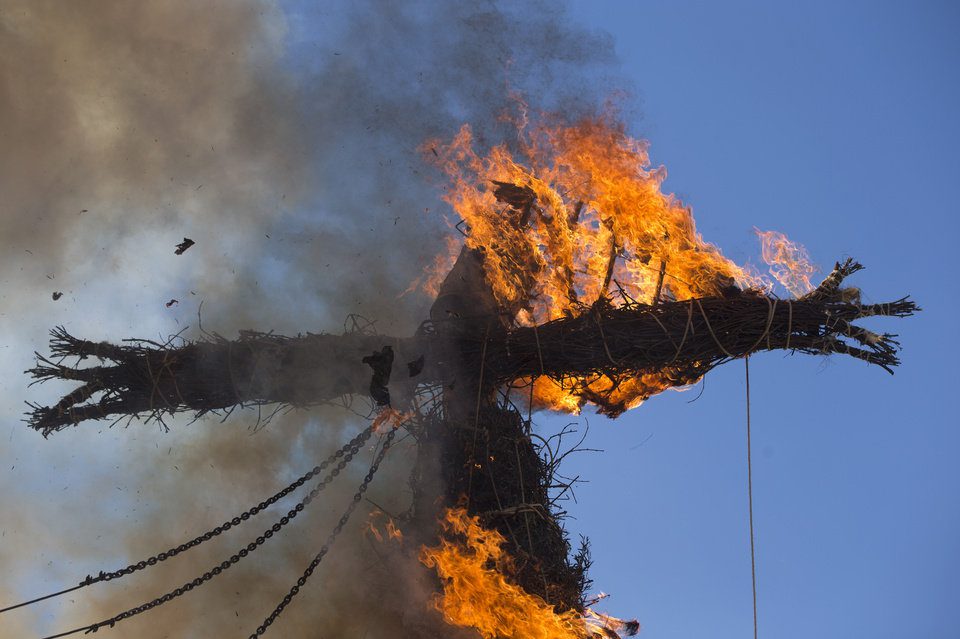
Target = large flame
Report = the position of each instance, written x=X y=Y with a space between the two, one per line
x=596 y=203
x=472 y=564
x=573 y=213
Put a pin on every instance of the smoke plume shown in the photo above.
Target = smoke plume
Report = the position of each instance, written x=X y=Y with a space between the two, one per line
x=283 y=139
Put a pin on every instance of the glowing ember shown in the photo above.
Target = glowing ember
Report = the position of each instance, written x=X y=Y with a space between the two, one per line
x=471 y=562
x=572 y=214
x=789 y=262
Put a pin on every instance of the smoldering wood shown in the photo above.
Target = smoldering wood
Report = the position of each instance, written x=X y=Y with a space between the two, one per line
x=682 y=339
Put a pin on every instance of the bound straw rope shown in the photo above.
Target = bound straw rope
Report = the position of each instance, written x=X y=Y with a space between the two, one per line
x=710 y=328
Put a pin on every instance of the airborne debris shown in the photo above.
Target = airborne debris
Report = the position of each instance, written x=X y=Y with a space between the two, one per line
x=172 y=302
x=184 y=245
x=519 y=198
x=57 y=295
x=416 y=366
x=381 y=363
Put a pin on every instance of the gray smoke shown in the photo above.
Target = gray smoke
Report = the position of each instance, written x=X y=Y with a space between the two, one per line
x=284 y=141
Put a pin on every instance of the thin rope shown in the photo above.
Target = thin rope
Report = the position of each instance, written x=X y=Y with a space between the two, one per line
x=45 y=597
x=686 y=331
x=603 y=338
x=789 y=323
x=772 y=308
x=664 y=328
x=476 y=417
x=166 y=364
x=753 y=555
x=710 y=328
x=539 y=352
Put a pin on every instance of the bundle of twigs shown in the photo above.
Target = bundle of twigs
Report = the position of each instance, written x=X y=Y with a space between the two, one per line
x=680 y=341
x=492 y=466
x=143 y=377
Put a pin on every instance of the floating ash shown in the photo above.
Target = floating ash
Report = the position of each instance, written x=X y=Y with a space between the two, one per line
x=183 y=246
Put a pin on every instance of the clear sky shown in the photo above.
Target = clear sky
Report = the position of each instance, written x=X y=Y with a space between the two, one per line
x=836 y=123
x=283 y=140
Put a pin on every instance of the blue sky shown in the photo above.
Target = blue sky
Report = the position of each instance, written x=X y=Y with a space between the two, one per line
x=835 y=123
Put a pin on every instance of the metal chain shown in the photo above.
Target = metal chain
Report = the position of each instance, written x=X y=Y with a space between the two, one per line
x=230 y=523
x=357 y=497
x=353 y=448
x=207 y=536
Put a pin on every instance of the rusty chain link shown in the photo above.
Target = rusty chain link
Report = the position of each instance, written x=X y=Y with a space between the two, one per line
x=388 y=441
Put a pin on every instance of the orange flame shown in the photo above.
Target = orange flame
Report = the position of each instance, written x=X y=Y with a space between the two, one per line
x=471 y=562
x=432 y=277
x=596 y=203
x=390 y=528
x=393 y=532
x=573 y=211
x=789 y=262
x=391 y=416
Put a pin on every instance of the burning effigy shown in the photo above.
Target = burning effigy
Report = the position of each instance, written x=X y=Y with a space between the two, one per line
x=577 y=282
